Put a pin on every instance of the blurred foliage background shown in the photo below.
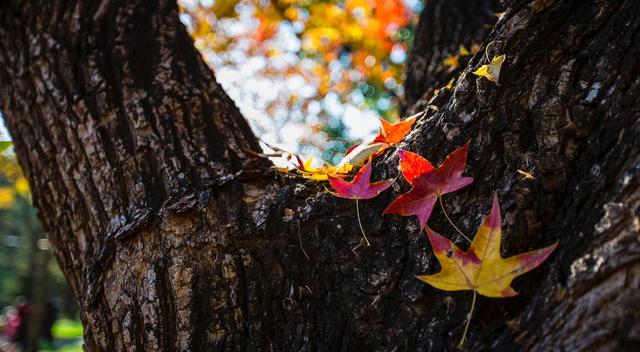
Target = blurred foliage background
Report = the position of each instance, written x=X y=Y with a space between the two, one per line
x=29 y=274
x=311 y=76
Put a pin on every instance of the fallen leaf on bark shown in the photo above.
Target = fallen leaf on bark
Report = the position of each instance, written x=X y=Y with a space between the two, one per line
x=392 y=133
x=307 y=170
x=360 y=187
x=481 y=268
x=492 y=70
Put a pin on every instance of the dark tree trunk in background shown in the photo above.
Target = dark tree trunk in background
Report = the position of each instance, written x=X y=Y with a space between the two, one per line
x=173 y=238
x=444 y=26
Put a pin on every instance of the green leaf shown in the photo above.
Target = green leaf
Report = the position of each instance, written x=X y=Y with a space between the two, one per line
x=4 y=145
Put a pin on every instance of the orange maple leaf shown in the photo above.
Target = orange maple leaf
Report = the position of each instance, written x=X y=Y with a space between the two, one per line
x=392 y=133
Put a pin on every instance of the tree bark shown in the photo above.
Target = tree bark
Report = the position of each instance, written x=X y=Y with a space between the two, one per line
x=444 y=26
x=173 y=237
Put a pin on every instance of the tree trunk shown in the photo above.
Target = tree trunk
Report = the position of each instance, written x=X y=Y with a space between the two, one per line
x=444 y=26
x=173 y=237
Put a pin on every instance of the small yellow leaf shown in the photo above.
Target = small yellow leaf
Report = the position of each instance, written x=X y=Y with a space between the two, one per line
x=492 y=70
x=308 y=171
x=452 y=62
x=462 y=51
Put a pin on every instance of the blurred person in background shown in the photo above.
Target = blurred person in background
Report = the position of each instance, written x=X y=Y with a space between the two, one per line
x=24 y=311
x=11 y=324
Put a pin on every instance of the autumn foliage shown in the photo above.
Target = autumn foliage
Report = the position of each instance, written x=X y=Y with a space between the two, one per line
x=362 y=36
x=352 y=51
x=480 y=268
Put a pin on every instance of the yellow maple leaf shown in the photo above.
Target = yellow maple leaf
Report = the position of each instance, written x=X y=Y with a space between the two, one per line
x=321 y=173
x=481 y=268
x=492 y=70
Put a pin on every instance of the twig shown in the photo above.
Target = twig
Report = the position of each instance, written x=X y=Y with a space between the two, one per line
x=301 y=246
x=356 y=247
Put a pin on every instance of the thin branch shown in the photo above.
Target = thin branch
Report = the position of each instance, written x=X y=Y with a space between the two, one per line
x=301 y=246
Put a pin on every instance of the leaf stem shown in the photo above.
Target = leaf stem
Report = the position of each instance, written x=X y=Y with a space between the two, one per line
x=364 y=235
x=466 y=327
x=486 y=51
x=451 y=222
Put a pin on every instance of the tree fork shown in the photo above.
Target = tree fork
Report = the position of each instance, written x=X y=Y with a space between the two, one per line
x=135 y=158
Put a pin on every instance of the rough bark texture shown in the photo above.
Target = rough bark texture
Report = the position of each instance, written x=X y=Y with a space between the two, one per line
x=444 y=26
x=117 y=122
x=138 y=164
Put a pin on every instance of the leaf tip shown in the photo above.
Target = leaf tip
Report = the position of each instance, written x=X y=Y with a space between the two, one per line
x=439 y=243
x=494 y=220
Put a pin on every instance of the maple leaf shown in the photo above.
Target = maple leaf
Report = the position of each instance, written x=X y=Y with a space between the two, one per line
x=360 y=153
x=481 y=268
x=392 y=133
x=307 y=170
x=428 y=183
x=360 y=187
x=492 y=70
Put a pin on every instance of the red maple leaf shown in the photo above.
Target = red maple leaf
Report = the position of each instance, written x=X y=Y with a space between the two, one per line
x=428 y=183
x=360 y=187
